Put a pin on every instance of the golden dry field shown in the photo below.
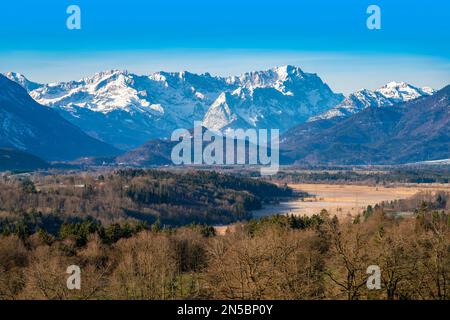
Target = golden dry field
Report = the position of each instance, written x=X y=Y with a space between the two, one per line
x=341 y=199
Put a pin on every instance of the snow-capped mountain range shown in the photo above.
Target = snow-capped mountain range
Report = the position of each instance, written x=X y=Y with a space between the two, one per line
x=388 y=95
x=126 y=110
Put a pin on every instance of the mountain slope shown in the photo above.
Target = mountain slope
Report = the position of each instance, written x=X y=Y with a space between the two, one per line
x=388 y=95
x=153 y=153
x=13 y=159
x=31 y=127
x=414 y=131
x=24 y=82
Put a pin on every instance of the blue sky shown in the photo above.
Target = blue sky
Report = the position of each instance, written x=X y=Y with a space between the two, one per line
x=227 y=37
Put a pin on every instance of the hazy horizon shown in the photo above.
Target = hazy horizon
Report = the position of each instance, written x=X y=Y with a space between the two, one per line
x=229 y=38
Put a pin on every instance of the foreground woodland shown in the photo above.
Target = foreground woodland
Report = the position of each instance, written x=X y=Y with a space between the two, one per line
x=278 y=257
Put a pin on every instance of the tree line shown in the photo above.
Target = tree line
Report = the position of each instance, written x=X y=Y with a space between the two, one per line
x=364 y=175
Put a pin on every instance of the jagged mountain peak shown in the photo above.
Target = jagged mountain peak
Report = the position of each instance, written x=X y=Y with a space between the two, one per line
x=193 y=81
x=396 y=84
x=402 y=91
x=105 y=75
x=268 y=78
x=287 y=71
x=279 y=97
x=15 y=76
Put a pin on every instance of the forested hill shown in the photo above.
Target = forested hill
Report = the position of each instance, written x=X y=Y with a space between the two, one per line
x=133 y=195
